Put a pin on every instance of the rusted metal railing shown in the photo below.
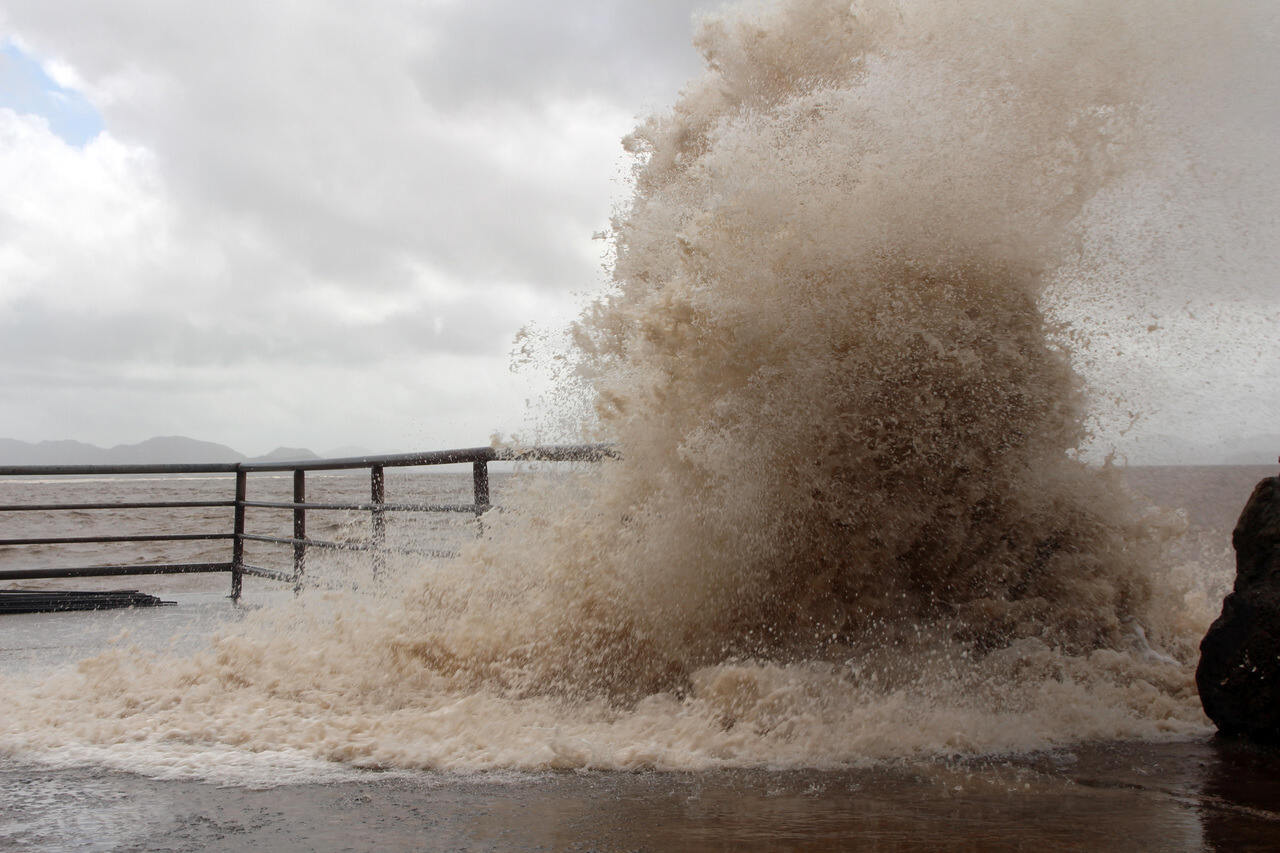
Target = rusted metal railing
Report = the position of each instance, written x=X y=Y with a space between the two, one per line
x=300 y=542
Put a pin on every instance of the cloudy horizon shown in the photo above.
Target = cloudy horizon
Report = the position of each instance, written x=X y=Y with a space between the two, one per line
x=264 y=225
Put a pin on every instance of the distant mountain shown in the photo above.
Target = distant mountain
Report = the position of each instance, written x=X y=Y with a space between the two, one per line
x=14 y=452
x=286 y=454
x=159 y=450
x=172 y=448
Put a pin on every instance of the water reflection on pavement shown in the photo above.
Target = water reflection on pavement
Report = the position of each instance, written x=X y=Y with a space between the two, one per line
x=1190 y=796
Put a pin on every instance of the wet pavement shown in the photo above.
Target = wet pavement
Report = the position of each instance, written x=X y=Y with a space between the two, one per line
x=1189 y=796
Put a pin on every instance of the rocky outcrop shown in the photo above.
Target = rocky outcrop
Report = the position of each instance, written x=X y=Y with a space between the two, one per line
x=1239 y=672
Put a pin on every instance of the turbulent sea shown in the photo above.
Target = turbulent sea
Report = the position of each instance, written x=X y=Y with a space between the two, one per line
x=850 y=580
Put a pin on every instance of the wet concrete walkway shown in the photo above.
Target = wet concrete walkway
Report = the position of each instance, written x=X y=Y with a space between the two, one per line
x=1190 y=796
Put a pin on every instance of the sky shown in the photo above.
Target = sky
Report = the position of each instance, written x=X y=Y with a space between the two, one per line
x=272 y=224
x=269 y=224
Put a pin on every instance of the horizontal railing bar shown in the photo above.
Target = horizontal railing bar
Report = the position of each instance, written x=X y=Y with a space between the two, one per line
x=430 y=457
x=423 y=507
x=135 y=505
x=558 y=453
x=269 y=574
x=156 y=537
x=113 y=571
x=310 y=543
x=348 y=546
x=549 y=453
x=366 y=506
x=171 y=468
x=423 y=552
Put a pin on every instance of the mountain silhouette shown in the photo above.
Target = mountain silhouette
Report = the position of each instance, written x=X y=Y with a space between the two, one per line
x=158 y=450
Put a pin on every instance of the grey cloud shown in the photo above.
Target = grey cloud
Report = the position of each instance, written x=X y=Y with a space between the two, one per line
x=310 y=161
x=316 y=130
x=34 y=334
x=517 y=51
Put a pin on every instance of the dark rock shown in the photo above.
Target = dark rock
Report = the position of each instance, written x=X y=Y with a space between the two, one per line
x=1239 y=672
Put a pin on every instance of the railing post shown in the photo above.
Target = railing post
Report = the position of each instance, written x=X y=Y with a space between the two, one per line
x=299 y=528
x=237 y=543
x=378 y=534
x=480 y=484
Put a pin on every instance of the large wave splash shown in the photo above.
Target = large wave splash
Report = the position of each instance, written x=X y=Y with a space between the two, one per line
x=841 y=410
x=848 y=520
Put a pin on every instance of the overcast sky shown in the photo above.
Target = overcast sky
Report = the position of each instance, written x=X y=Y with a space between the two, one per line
x=296 y=223
x=303 y=224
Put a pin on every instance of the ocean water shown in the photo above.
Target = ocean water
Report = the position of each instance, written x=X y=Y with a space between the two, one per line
x=853 y=541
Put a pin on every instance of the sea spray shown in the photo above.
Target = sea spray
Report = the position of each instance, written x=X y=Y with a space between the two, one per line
x=848 y=522
x=840 y=406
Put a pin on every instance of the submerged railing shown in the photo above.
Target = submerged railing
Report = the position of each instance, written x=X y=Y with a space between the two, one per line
x=377 y=507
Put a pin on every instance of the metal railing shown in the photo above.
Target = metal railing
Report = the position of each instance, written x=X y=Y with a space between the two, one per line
x=377 y=507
